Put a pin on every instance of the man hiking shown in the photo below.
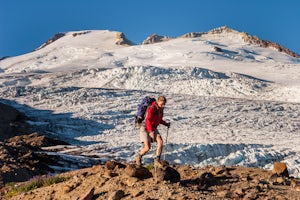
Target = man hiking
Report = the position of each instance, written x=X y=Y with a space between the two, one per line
x=149 y=132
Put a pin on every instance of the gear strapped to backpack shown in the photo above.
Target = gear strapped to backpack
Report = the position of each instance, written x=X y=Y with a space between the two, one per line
x=142 y=109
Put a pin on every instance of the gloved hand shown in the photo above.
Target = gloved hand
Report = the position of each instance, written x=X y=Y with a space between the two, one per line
x=168 y=124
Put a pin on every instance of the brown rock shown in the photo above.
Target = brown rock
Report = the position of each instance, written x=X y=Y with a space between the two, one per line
x=239 y=191
x=136 y=192
x=154 y=38
x=280 y=169
x=51 y=40
x=107 y=174
x=220 y=170
x=222 y=193
x=297 y=188
x=96 y=169
x=166 y=174
x=280 y=180
x=66 y=189
x=131 y=181
x=138 y=172
x=182 y=198
x=207 y=179
x=268 y=44
x=117 y=195
x=250 y=195
x=88 y=195
x=122 y=40
x=111 y=165
x=196 y=183
x=192 y=35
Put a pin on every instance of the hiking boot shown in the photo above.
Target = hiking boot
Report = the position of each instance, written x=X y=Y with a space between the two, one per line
x=138 y=160
x=157 y=163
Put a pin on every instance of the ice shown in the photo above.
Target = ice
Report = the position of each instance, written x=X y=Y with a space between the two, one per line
x=237 y=107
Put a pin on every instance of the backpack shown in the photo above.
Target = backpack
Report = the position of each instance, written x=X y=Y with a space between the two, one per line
x=142 y=108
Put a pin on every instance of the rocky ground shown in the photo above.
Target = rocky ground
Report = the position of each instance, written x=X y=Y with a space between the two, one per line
x=22 y=159
x=21 y=156
x=116 y=180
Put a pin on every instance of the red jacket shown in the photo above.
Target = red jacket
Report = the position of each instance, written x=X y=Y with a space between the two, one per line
x=154 y=117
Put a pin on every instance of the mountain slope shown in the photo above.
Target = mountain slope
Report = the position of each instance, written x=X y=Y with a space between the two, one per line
x=64 y=50
x=229 y=102
x=98 y=49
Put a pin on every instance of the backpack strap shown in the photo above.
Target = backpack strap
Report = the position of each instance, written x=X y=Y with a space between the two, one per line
x=156 y=111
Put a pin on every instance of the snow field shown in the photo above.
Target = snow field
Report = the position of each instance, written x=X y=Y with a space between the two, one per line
x=236 y=107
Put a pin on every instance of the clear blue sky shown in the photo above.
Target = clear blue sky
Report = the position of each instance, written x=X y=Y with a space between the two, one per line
x=26 y=24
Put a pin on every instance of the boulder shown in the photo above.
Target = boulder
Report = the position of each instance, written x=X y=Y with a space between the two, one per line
x=166 y=174
x=111 y=165
x=206 y=180
x=280 y=169
x=138 y=172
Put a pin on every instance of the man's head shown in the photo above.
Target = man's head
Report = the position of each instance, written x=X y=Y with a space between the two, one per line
x=161 y=101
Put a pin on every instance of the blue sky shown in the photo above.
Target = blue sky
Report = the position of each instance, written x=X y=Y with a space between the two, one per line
x=26 y=24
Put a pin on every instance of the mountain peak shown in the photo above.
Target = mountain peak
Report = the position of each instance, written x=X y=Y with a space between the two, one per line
x=219 y=30
x=222 y=29
x=114 y=37
x=246 y=38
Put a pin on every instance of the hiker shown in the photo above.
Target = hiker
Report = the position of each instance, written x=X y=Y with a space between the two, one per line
x=149 y=132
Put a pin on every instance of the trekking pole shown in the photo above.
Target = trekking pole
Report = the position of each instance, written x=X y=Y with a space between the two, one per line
x=166 y=143
x=155 y=172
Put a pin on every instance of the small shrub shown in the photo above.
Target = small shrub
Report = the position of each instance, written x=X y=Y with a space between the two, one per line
x=149 y=167
x=36 y=182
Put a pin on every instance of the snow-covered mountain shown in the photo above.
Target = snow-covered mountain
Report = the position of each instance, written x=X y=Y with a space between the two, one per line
x=233 y=99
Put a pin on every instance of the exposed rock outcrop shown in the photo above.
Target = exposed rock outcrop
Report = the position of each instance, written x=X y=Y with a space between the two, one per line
x=246 y=37
x=154 y=38
x=223 y=29
x=3 y=58
x=51 y=40
x=122 y=40
x=80 y=33
x=21 y=157
x=192 y=35
x=268 y=44
x=12 y=122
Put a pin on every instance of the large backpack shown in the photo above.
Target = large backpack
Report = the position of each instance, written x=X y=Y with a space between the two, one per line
x=142 y=109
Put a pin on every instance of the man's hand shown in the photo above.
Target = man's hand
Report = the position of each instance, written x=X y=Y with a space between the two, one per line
x=151 y=134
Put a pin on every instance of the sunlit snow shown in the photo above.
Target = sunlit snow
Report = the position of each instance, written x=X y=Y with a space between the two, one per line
x=236 y=107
